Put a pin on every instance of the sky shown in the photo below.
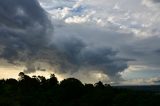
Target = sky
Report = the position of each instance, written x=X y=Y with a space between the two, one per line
x=115 y=41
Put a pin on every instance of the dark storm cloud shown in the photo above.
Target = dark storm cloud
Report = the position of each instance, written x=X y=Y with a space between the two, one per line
x=79 y=56
x=145 y=51
x=24 y=29
x=157 y=51
x=25 y=33
x=156 y=1
x=103 y=59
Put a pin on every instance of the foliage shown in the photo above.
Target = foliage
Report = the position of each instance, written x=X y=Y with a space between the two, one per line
x=39 y=91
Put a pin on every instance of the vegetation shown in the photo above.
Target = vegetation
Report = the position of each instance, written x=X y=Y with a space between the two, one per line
x=39 y=91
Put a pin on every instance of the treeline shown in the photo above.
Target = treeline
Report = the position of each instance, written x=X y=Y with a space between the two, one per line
x=39 y=91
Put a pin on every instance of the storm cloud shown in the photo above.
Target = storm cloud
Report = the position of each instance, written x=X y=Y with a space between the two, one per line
x=24 y=30
x=80 y=56
x=26 y=35
x=156 y=1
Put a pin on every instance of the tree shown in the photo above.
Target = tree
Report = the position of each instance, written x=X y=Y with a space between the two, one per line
x=99 y=85
x=53 y=81
x=71 y=88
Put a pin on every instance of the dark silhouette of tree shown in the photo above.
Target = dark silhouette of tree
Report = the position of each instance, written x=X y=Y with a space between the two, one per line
x=89 y=87
x=39 y=91
x=71 y=83
x=52 y=81
x=71 y=89
x=42 y=80
x=99 y=85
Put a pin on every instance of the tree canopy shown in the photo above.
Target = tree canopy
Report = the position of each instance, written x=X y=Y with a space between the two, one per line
x=39 y=91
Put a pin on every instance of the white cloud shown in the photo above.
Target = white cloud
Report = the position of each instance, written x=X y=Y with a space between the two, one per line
x=127 y=15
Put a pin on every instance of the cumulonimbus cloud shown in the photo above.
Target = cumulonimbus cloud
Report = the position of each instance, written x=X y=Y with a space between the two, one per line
x=25 y=35
x=24 y=29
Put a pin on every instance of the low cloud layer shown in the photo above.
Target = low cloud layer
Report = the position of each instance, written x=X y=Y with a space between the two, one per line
x=79 y=56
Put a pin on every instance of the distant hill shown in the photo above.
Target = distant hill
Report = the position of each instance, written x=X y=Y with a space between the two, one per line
x=152 y=88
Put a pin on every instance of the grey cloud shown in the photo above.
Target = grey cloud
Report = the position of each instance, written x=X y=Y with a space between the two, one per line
x=103 y=59
x=156 y=1
x=144 y=51
x=25 y=35
x=24 y=30
x=131 y=32
x=157 y=51
x=143 y=81
x=80 y=56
